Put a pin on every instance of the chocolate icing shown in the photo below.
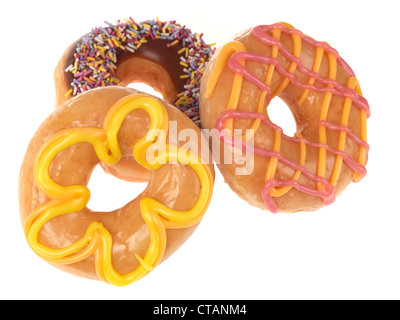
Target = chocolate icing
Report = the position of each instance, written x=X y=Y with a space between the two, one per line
x=154 y=50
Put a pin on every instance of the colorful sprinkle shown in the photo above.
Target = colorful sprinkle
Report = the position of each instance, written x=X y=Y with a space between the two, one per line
x=69 y=92
x=96 y=55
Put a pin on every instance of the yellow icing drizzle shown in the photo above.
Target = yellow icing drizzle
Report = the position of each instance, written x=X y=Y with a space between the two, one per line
x=220 y=64
x=97 y=240
x=273 y=163
x=321 y=168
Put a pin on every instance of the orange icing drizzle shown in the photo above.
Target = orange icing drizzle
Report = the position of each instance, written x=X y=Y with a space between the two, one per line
x=352 y=97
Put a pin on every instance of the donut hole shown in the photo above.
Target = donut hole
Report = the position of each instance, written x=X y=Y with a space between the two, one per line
x=145 y=88
x=280 y=114
x=109 y=193
x=148 y=76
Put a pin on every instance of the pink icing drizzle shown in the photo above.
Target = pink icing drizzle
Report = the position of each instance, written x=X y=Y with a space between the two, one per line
x=360 y=102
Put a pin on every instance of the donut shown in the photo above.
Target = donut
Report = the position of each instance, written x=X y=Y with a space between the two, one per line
x=103 y=125
x=164 y=55
x=290 y=173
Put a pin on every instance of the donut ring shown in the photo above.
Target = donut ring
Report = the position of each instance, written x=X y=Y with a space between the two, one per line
x=121 y=246
x=330 y=147
x=165 y=55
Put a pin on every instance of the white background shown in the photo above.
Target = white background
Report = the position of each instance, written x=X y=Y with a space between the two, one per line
x=348 y=250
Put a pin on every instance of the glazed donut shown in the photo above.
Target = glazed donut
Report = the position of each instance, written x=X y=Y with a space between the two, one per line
x=121 y=246
x=164 y=55
x=329 y=149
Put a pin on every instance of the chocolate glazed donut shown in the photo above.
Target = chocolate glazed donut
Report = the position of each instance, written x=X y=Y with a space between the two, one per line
x=164 y=55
